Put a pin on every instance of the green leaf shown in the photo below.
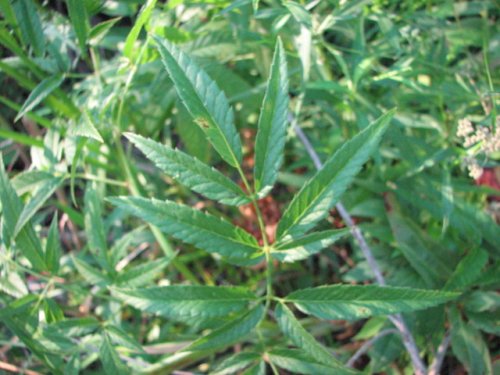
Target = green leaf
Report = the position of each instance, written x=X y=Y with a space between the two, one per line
x=468 y=270
x=74 y=327
x=94 y=228
x=142 y=274
x=298 y=362
x=80 y=144
x=20 y=322
x=418 y=249
x=191 y=172
x=39 y=93
x=121 y=245
x=231 y=332
x=292 y=329
x=487 y=321
x=120 y=337
x=73 y=366
x=13 y=284
x=236 y=363
x=30 y=25
x=21 y=138
x=257 y=369
x=53 y=312
x=9 y=15
x=77 y=12
x=99 y=31
x=85 y=128
x=29 y=181
x=90 y=274
x=255 y=5
x=298 y=12
x=136 y=29
x=483 y=301
x=271 y=133
x=191 y=135
x=206 y=103
x=187 y=302
x=195 y=227
x=468 y=345
x=27 y=240
x=43 y=193
x=303 y=247
x=323 y=190
x=111 y=362
x=355 y=302
x=53 y=247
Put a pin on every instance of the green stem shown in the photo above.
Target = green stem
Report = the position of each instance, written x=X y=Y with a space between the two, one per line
x=266 y=248
x=269 y=278
x=273 y=368
x=99 y=179
x=253 y=197
x=42 y=295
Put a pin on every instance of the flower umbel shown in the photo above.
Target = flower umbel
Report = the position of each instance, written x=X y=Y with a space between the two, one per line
x=487 y=139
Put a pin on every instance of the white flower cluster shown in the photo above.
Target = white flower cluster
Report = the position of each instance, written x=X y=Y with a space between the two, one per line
x=487 y=138
x=475 y=170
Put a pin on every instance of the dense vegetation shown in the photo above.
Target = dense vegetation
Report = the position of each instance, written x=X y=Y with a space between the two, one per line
x=160 y=206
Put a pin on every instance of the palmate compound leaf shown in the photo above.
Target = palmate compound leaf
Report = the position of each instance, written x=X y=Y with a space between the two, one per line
x=324 y=189
x=206 y=103
x=270 y=139
x=292 y=329
x=183 y=302
x=355 y=302
x=231 y=332
x=194 y=227
x=190 y=172
x=303 y=247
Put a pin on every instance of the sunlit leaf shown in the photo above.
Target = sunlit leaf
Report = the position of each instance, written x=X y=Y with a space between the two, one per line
x=324 y=189
x=187 y=302
x=195 y=227
x=270 y=139
x=294 y=331
x=39 y=93
x=355 y=302
x=191 y=172
x=78 y=15
x=206 y=103
x=231 y=332
x=138 y=25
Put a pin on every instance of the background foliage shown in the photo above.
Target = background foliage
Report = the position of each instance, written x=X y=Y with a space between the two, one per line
x=83 y=80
